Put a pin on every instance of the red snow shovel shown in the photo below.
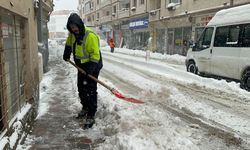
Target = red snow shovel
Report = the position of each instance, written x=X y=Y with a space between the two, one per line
x=113 y=91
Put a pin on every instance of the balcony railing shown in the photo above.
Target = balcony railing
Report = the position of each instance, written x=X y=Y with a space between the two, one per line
x=105 y=19
x=154 y=15
x=123 y=13
x=113 y=1
x=105 y=3
x=48 y=5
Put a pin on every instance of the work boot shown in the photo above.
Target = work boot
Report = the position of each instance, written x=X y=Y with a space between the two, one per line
x=82 y=114
x=89 y=122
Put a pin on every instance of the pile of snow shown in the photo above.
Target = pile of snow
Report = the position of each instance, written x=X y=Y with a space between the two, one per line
x=177 y=59
x=52 y=43
x=103 y=43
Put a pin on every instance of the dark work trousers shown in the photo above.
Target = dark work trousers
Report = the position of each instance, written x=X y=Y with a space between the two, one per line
x=87 y=90
x=112 y=49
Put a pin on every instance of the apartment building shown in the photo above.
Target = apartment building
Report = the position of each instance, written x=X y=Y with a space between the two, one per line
x=176 y=23
x=19 y=65
x=57 y=24
x=44 y=9
x=117 y=20
x=166 y=26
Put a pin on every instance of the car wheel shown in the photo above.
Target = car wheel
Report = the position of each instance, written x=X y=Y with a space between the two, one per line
x=245 y=81
x=191 y=67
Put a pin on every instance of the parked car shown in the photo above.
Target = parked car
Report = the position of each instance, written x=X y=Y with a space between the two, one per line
x=223 y=48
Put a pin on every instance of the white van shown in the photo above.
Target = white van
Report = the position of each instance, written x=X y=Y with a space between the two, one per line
x=223 y=48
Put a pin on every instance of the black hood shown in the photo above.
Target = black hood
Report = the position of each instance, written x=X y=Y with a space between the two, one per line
x=76 y=20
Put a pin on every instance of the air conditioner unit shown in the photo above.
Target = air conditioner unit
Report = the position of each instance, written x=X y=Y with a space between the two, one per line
x=36 y=3
x=171 y=6
x=152 y=12
x=113 y=14
x=97 y=19
x=133 y=8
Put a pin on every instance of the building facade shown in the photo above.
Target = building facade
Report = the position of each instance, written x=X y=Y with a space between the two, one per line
x=44 y=9
x=57 y=24
x=19 y=63
x=165 y=26
x=175 y=24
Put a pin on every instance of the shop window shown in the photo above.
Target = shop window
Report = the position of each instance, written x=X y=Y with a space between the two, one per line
x=198 y=32
x=161 y=40
x=178 y=40
x=187 y=32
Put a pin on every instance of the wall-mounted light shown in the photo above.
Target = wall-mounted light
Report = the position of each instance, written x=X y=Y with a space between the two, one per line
x=11 y=4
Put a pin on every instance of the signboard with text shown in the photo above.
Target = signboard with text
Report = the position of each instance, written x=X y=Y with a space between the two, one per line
x=138 y=23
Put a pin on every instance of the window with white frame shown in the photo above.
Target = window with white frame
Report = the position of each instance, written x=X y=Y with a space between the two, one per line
x=114 y=9
x=87 y=7
x=134 y=3
x=88 y=18
x=97 y=15
x=92 y=5
x=107 y=13
x=175 y=1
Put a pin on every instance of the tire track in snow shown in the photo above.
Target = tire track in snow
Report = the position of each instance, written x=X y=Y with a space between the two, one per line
x=216 y=128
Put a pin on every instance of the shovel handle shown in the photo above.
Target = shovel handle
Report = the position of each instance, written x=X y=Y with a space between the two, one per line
x=90 y=76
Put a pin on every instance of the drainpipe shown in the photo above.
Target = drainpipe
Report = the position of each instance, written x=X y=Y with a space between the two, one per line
x=39 y=21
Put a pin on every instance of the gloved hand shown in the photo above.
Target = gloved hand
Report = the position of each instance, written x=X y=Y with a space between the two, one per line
x=67 y=53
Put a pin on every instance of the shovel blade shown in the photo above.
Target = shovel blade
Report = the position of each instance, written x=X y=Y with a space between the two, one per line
x=132 y=100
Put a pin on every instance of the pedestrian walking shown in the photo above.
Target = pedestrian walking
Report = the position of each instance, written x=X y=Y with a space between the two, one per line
x=112 y=45
x=84 y=44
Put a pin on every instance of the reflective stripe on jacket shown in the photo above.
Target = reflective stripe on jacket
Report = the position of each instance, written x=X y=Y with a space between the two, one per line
x=89 y=50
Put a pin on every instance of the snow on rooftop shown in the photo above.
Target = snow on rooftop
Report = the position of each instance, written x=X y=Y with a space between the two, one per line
x=240 y=14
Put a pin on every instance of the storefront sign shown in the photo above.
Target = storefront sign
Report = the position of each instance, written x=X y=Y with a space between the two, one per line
x=138 y=23
x=203 y=20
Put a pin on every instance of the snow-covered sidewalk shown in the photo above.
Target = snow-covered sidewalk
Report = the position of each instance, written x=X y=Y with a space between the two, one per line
x=158 y=124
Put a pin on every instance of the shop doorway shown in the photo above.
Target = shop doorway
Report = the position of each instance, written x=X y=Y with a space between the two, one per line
x=170 y=46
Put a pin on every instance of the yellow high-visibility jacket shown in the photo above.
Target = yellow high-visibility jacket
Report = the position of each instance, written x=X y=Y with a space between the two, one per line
x=89 y=50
